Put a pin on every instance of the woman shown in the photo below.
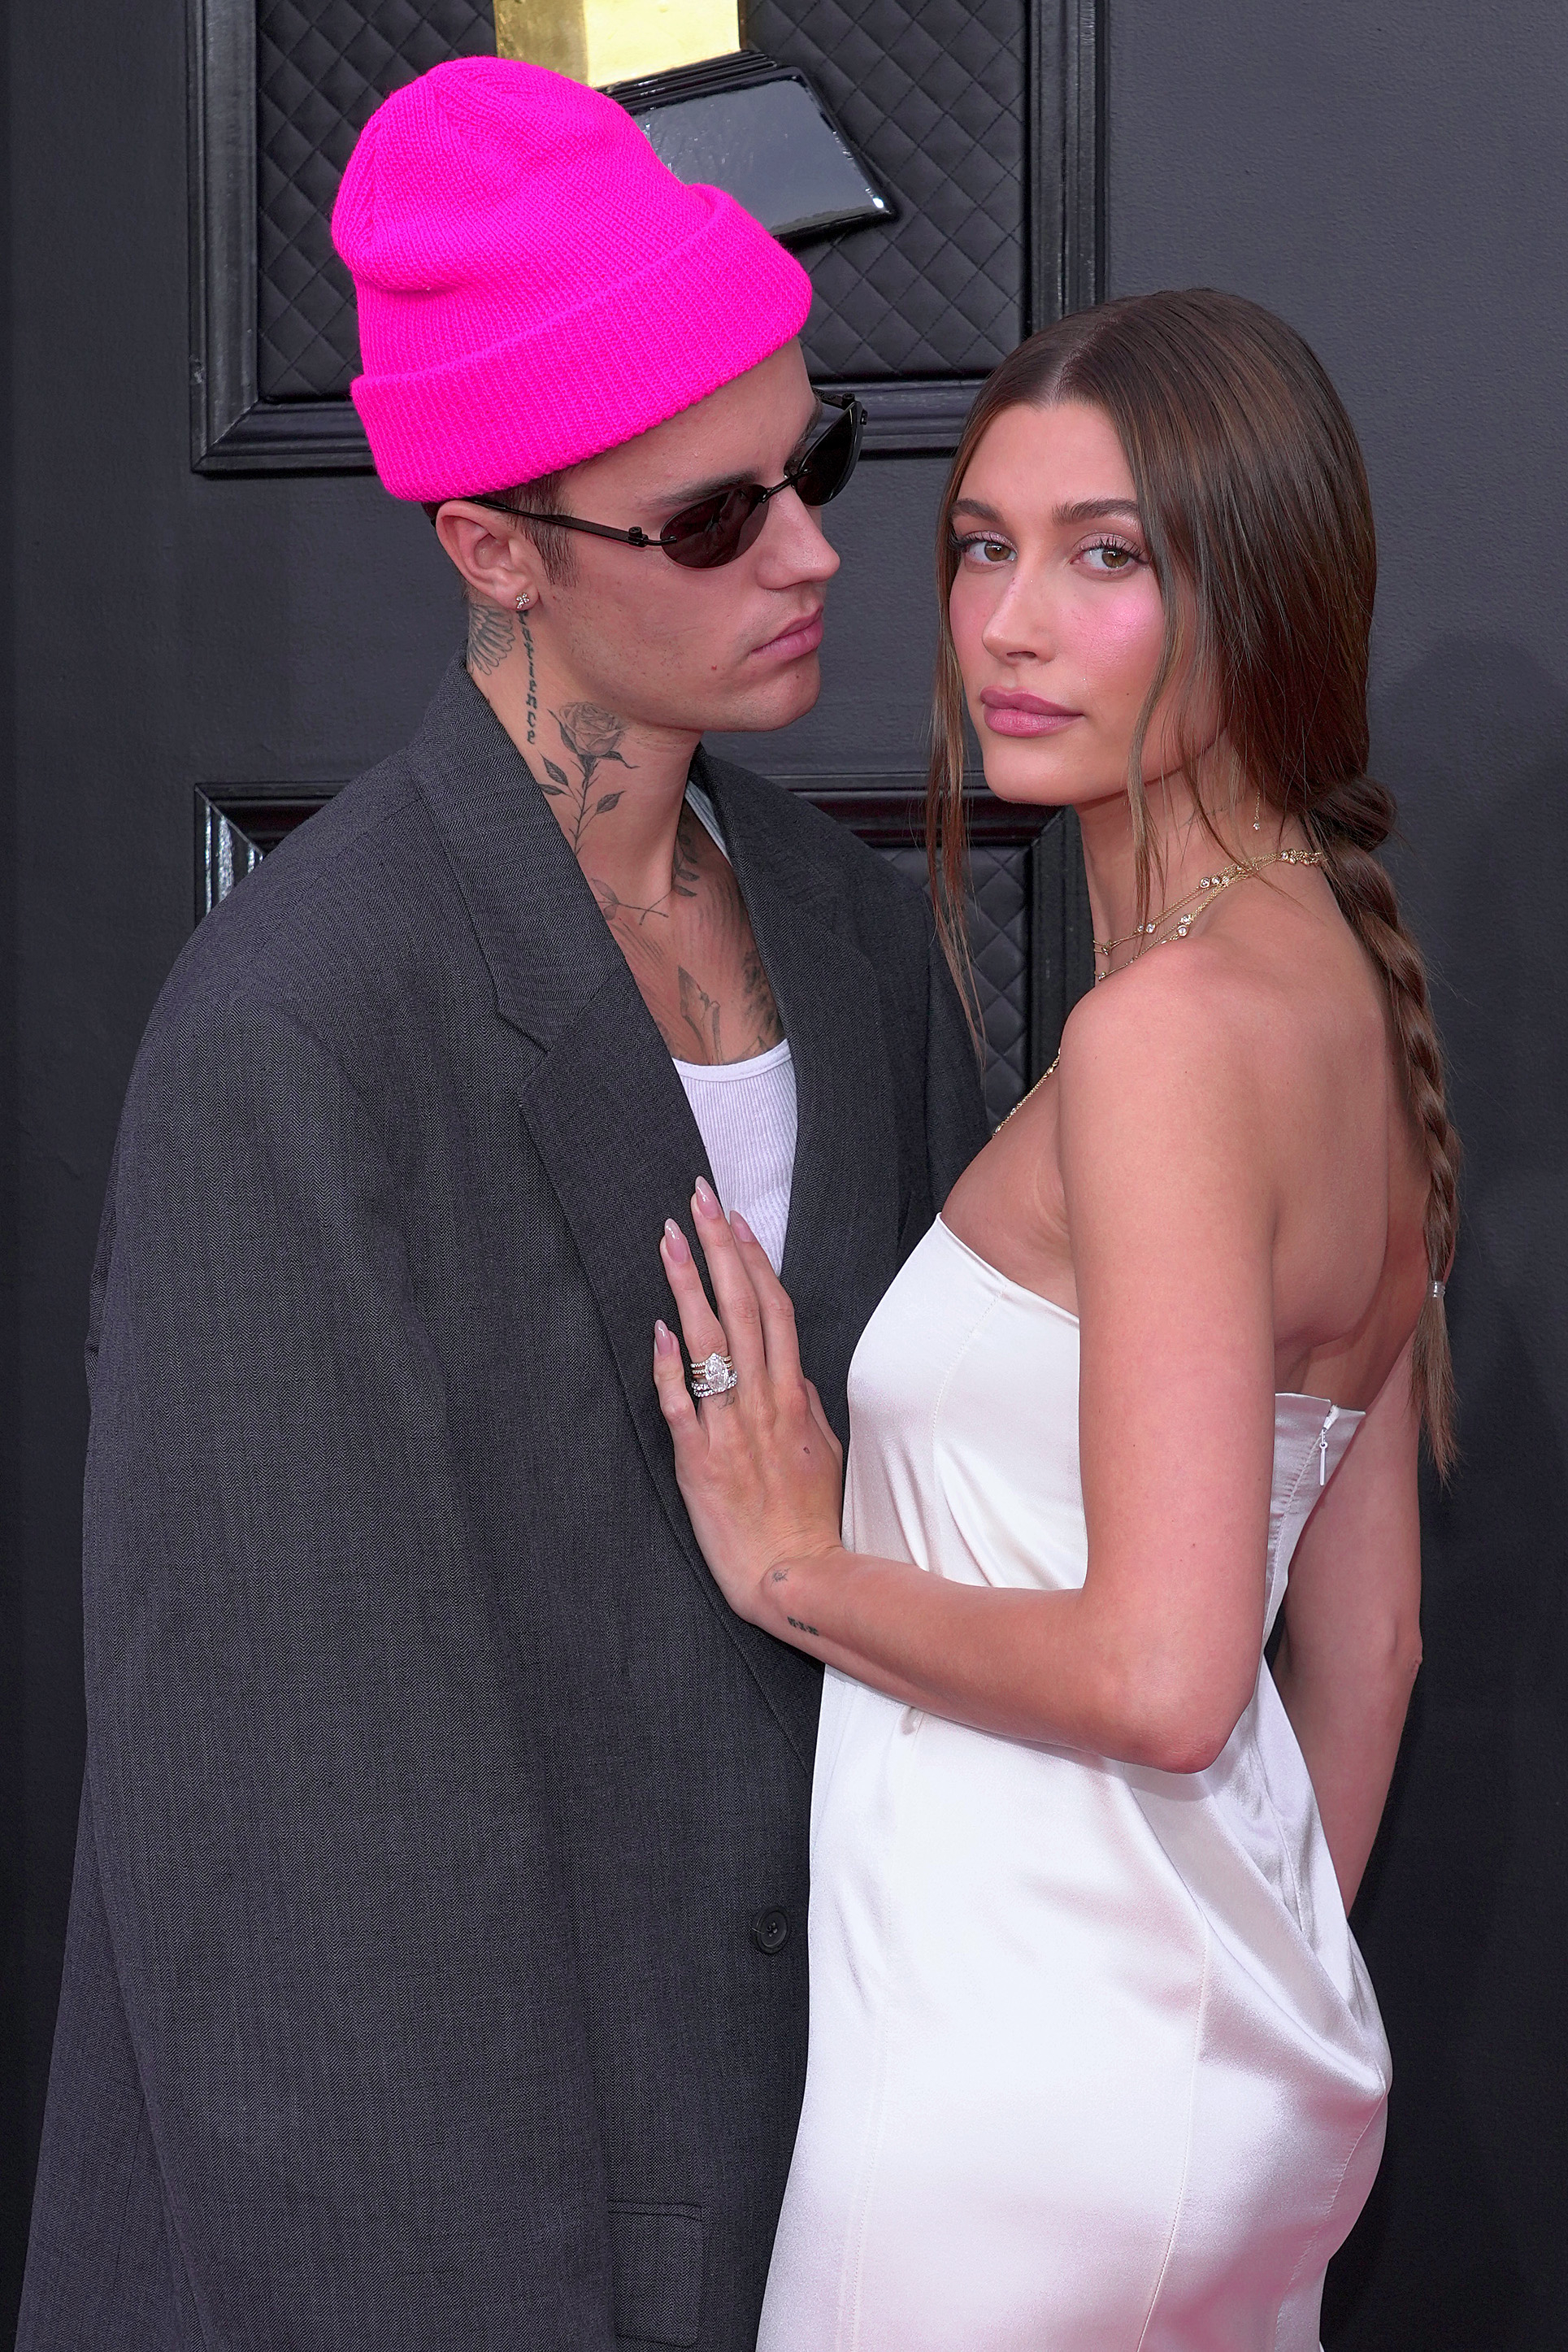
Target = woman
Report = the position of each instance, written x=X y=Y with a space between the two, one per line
x=1094 y=2060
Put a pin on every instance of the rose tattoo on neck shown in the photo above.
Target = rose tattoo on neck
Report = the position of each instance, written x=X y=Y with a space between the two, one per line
x=590 y=736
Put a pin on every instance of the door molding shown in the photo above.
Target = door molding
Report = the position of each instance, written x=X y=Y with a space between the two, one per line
x=235 y=431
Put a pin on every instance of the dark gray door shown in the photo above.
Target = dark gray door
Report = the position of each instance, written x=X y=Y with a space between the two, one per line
x=218 y=617
x=981 y=118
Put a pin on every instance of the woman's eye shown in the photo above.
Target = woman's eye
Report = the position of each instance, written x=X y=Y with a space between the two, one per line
x=1110 y=557
x=984 y=554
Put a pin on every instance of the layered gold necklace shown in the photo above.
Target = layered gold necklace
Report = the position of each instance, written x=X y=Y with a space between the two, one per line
x=1181 y=916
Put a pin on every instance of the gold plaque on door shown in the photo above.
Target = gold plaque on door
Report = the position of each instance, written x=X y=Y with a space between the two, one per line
x=605 y=41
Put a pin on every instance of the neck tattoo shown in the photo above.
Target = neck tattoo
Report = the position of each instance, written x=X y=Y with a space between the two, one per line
x=683 y=884
x=589 y=735
x=533 y=701
x=489 y=639
x=703 y=1013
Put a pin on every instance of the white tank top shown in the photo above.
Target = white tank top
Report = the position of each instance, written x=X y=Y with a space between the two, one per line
x=746 y=1113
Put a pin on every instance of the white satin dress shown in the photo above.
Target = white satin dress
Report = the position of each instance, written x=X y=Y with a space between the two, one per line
x=1095 y=2065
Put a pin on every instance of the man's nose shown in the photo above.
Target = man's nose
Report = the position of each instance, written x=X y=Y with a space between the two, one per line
x=793 y=546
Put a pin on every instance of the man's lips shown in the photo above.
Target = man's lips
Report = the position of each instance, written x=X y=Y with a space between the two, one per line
x=1024 y=714
x=802 y=637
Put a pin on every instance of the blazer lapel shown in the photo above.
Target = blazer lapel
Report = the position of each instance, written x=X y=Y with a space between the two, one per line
x=840 y=1250
x=604 y=1109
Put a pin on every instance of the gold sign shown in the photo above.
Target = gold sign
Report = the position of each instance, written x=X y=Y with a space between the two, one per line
x=605 y=41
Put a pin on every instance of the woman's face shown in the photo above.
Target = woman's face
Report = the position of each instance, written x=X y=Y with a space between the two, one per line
x=1055 y=611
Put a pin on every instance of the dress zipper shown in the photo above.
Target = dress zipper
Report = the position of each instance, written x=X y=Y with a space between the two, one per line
x=1323 y=1446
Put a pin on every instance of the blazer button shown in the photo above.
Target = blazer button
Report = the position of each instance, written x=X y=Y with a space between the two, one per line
x=770 y=1931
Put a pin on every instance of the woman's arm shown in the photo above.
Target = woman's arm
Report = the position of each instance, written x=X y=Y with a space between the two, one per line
x=1171 y=1214
x=1352 y=1639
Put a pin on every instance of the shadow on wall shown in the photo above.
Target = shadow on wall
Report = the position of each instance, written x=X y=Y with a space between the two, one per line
x=1463 y=1917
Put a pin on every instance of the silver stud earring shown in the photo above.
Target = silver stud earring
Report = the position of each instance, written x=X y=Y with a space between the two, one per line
x=524 y=601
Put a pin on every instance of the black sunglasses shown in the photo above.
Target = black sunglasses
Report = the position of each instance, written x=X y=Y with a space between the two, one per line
x=718 y=528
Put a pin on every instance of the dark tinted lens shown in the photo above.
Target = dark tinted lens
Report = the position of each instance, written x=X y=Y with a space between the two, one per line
x=828 y=466
x=715 y=529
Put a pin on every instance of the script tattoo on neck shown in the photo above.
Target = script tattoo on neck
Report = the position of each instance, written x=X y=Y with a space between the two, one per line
x=533 y=701
x=591 y=735
x=489 y=639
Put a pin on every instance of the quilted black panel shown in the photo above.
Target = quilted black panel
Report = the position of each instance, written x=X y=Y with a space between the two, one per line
x=999 y=945
x=322 y=68
x=932 y=94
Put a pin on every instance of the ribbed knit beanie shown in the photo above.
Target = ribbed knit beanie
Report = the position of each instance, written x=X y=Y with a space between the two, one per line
x=534 y=285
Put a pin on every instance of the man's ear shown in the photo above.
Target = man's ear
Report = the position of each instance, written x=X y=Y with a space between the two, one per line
x=499 y=564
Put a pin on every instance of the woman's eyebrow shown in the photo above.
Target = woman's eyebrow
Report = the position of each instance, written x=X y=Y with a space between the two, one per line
x=1080 y=510
x=1091 y=509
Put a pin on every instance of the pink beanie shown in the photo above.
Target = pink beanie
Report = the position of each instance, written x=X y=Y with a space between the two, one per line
x=534 y=285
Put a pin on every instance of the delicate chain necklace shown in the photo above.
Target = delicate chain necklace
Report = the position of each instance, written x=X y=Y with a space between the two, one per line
x=1182 y=915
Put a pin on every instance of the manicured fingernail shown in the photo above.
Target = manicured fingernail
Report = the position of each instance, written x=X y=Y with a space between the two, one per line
x=737 y=1224
x=707 y=1199
x=675 y=1241
x=663 y=1340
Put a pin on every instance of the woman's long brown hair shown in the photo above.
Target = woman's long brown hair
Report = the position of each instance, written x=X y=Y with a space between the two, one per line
x=1253 y=496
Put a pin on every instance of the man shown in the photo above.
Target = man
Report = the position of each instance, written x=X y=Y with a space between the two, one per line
x=436 y=1971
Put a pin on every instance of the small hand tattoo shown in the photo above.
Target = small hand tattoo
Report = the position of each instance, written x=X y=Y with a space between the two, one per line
x=802 y=1627
x=489 y=640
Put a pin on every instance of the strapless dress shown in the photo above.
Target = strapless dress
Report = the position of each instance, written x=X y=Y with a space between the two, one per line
x=1095 y=2065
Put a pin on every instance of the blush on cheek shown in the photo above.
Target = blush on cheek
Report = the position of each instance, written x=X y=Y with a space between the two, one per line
x=1118 y=641
x=967 y=610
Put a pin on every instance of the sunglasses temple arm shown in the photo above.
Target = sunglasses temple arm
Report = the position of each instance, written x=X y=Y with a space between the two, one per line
x=632 y=537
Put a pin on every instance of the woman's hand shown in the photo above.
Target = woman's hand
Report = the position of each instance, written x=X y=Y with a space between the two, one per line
x=759 y=1468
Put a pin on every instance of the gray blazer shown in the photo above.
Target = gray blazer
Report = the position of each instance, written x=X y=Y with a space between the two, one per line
x=436 y=1973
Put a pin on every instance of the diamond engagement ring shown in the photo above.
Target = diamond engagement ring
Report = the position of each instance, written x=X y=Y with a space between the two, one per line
x=714 y=1376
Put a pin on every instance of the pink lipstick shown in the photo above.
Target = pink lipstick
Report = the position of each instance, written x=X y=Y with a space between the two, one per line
x=1009 y=713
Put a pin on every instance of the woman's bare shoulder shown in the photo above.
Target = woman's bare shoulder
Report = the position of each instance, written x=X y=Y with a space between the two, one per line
x=1195 y=1016
x=1211 y=1083
x=1275 y=1011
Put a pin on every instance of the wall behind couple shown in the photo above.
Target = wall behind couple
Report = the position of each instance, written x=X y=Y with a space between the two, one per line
x=1388 y=178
